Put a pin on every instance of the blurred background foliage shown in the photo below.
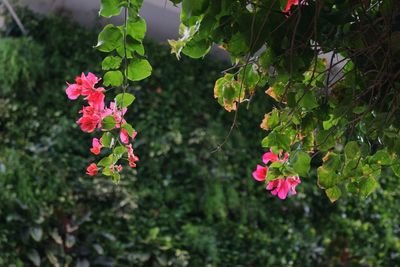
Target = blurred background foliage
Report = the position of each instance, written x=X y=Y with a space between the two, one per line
x=183 y=206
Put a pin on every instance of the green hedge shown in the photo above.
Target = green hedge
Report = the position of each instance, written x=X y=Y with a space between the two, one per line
x=184 y=206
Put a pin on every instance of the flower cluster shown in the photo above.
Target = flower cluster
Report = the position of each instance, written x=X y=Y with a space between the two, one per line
x=279 y=186
x=92 y=118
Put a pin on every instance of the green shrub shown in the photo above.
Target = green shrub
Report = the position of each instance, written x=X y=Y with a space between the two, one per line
x=184 y=206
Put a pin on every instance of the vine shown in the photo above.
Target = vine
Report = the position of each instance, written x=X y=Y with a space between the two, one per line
x=125 y=62
x=330 y=67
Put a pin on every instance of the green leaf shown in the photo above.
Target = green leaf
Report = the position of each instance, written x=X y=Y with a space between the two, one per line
x=113 y=78
x=237 y=45
x=120 y=150
x=249 y=75
x=109 y=8
x=128 y=128
x=107 y=139
x=352 y=150
x=396 y=167
x=139 y=69
x=301 y=162
x=359 y=109
x=326 y=178
x=367 y=186
x=266 y=58
x=108 y=123
x=136 y=28
x=132 y=46
x=196 y=48
x=34 y=257
x=272 y=174
x=330 y=123
x=106 y=161
x=307 y=100
x=325 y=139
x=331 y=161
x=111 y=63
x=109 y=38
x=333 y=193
x=382 y=157
x=123 y=100
x=276 y=165
x=116 y=177
x=275 y=139
x=194 y=7
x=36 y=233
x=352 y=168
x=107 y=171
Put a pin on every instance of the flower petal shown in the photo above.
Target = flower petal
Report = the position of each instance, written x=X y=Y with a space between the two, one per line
x=260 y=173
x=270 y=157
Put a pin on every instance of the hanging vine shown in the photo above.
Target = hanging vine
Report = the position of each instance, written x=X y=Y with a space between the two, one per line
x=331 y=68
x=125 y=62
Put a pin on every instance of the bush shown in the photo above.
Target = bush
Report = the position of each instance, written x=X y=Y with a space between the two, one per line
x=185 y=206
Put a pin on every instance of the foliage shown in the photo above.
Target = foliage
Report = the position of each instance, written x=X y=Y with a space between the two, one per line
x=185 y=206
x=332 y=68
x=125 y=61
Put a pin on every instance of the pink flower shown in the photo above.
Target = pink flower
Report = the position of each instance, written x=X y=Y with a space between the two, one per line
x=260 y=173
x=132 y=158
x=293 y=181
x=73 y=91
x=91 y=118
x=118 y=168
x=117 y=113
x=96 y=100
x=272 y=157
x=92 y=169
x=124 y=136
x=291 y=3
x=88 y=124
x=279 y=186
x=84 y=85
x=282 y=187
x=96 y=146
x=87 y=82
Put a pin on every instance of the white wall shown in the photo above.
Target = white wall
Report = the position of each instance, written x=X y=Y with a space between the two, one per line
x=161 y=16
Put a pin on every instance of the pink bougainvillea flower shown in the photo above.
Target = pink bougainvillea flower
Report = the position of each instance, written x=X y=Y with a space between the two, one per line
x=124 y=136
x=118 y=168
x=260 y=173
x=279 y=186
x=132 y=161
x=87 y=82
x=132 y=158
x=282 y=187
x=73 y=91
x=92 y=169
x=117 y=113
x=293 y=181
x=96 y=100
x=270 y=157
x=96 y=146
x=94 y=113
x=91 y=118
x=291 y=3
x=87 y=124
x=84 y=85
